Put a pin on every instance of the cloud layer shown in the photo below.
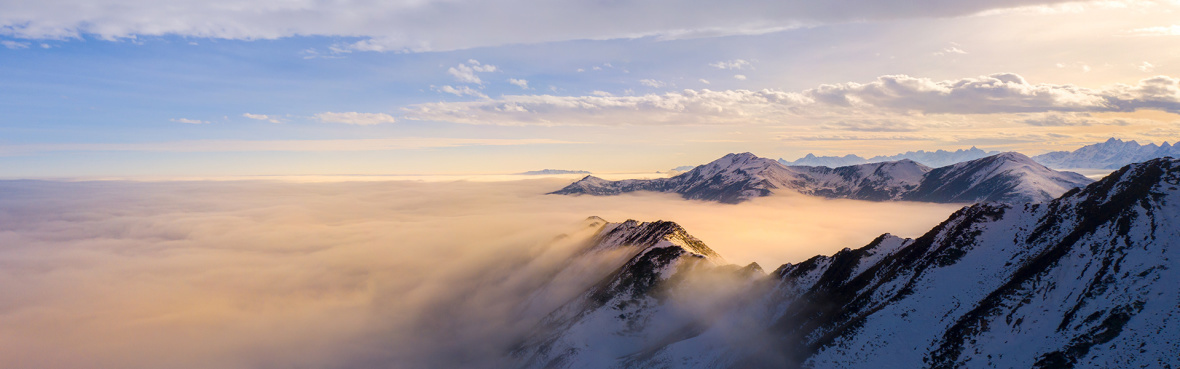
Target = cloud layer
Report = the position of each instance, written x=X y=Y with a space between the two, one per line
x=447 y=25
x=342 y=275
x=895 y=94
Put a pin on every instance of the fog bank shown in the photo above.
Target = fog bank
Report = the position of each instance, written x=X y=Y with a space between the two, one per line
x=263 y=274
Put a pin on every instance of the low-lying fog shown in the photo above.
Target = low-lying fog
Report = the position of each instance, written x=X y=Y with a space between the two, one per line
x=267 y=274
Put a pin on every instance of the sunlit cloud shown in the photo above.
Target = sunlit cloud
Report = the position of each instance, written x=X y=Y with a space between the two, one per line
x=360 y=274
x=355 y=118
x=736 y=64
x=262 y=117
x=189 y=121
x=374 y=144
x=443 y=25
x=893 y=94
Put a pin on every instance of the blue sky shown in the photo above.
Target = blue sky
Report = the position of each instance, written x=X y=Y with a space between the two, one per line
x=130 y=88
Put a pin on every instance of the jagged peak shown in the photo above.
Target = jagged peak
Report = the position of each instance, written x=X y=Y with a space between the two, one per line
x=658 y=234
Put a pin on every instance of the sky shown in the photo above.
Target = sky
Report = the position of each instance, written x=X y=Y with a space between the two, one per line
x=210 y=88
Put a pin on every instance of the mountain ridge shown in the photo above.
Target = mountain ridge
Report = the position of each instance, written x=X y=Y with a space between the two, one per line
x=734 y=178
x=1085 y=280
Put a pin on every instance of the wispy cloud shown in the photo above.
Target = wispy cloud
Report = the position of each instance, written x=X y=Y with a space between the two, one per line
x=466 y=72
x=189 y=121
x=651 y=83
x=461 y=91
x=736 y=64
x=523 y=84
x=894 y=94
x=376 y=144
x=262 y=117
x=14 y=44
x=441 y=25
x=355 y=118
x=1173 y=30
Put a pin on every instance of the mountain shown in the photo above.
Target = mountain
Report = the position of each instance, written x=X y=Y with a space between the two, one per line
x=1113 y=153
x=552 y=171
x=937 y=158
x=1087 y=280
x=1009 y=177
x=734 y=178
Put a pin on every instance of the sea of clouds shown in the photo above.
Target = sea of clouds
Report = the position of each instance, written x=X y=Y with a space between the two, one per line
x=279 y=274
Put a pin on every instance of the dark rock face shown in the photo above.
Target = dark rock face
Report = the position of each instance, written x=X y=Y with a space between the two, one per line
x=1006 y=177
x=1087 y=280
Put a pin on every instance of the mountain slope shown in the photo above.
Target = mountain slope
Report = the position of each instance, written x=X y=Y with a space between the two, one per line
x=1113 y=153
x=1087 y=280
x=937 y=158
x=1008 y=177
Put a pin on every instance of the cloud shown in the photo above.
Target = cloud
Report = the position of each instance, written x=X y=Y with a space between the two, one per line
x=1146 y=67
x=736 y=64
x=372 y=144
x=893 y=94
x=523 y=84
x=261 y=117
x=950 y=50
x=875 y=125
x=682 y=107
x=651 y=83
x=189 y=121
x=392 y=274
x=740 y=77
x=705 y=81
x=360 y=119
x=466 y=72
x=461 y=91
x=999 y=93
x=445 y=25
x=1063 y=120
x=14 y=44
x=1173 y=30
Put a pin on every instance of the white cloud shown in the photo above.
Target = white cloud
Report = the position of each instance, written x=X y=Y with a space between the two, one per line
x=705 y=81
x=360 y=119
x=950 y=50
x=1173 y=30
x=1146 y=67
x=378 y=144
x=262 y=117
x=896 y=95
x=601 y=93
x=445 y=25
x=189 y=121
x=651 y=83
x=523 y=84
x=466 y=72
x=740 y=77
x=14 y=44
x=736 y=64
x=462 y=91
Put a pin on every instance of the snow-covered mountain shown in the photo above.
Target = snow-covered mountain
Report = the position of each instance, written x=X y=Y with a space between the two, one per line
x=1009 y=177
x=1113 y=153
x=1087 y=280
x=937 y=158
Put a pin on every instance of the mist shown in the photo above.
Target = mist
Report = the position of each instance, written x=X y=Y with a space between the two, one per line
x=272 y=274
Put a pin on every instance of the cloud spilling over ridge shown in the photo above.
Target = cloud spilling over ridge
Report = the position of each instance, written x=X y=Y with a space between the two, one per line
x=342 y=275
x=448 y=25
x=896 y=94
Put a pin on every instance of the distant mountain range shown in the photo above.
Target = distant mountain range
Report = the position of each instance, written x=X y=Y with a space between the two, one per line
x=552 y=171
x=1087 y=280
x=1007 y=177
x=929 y=158
x=1113 y=153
